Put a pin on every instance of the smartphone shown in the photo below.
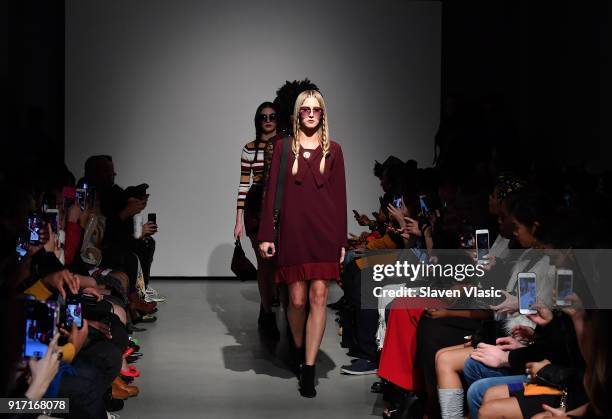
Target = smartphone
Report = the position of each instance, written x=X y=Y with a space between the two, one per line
x=467 y=239
x=152 y=218
x=527 y=292
x=21 y=248
x=35 y=225
x=81 y=197
x=565 y=285
x=397 y=202
x=425 y=208
x=74 y=312
x=52 y=217
x=40 y=327
x=482 y=246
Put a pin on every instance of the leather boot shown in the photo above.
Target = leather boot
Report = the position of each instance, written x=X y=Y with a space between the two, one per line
x=137 y=303
x=307 y=377
x=130 y=390
x=118 y=392
x=268 y=325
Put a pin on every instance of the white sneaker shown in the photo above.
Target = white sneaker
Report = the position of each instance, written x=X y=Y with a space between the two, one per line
x=152 y=295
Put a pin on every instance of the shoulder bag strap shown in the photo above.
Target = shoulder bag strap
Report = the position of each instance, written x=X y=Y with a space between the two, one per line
x=280 y=183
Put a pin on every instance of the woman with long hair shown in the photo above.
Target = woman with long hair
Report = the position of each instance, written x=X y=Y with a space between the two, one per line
x=250 y=194
x=312 y=231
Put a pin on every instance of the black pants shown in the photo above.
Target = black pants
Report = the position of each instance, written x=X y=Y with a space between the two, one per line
x=145 y=249
x=96 y=367
x=125 y=257
x=365 y=314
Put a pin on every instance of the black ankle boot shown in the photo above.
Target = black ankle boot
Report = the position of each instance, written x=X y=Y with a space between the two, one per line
x=297 y=356
x=267 y=325
x=307 y=377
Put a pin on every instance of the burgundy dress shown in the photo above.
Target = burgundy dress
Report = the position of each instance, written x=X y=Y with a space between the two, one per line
x=313 y=220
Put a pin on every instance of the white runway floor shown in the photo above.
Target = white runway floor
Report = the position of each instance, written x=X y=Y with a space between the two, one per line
x=203 y=358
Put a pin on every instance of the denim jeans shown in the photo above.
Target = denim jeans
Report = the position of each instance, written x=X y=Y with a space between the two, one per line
x=480 y=378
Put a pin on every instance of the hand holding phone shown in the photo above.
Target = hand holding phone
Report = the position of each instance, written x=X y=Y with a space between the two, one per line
x=41 y=320
x=361 y=219
x=152 y=218
x=51 y=217
x=397 y=202
x=43 y=370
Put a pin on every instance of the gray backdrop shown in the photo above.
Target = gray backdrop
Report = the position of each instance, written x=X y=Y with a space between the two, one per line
x=169 y=88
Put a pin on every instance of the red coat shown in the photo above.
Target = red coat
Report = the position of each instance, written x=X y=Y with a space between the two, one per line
x=313 y=224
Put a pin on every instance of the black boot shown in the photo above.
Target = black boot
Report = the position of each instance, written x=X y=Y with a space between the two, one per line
x=268 y=325
x=307 y=377
x=297 y=356
x=266 y=322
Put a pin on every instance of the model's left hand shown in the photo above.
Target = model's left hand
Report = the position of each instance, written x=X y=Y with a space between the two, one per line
x=342 y=253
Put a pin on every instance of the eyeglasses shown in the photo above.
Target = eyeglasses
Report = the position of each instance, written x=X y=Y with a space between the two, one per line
x=305 y=111
x=265 y=117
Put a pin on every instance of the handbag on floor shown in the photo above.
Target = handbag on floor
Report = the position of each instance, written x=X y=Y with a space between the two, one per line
x=241 y=265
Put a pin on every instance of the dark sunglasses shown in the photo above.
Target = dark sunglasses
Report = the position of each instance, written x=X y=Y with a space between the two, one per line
x=305 y=111
x=265 y=117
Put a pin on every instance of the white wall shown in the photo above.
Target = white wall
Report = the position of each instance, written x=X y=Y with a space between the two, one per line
x=169 y=88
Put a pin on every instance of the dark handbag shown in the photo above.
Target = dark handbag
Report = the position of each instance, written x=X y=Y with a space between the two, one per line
x=280 y=186
x=252 y=210
x=241 y=265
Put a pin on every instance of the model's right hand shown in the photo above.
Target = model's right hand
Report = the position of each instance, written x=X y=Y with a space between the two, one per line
x=238 y=231
x=263 y=249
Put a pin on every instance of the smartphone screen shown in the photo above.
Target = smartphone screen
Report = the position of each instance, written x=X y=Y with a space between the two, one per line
x=74 y=314
x=424 y=204
x=527 y=293
x=81 y=197
x=21 y=248
x=40 y=327
x=397 y=202
x=482 y=245
x=564 y=286
x=35 y=225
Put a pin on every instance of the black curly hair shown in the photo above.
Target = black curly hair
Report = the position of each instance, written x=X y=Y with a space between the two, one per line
x=285 y=101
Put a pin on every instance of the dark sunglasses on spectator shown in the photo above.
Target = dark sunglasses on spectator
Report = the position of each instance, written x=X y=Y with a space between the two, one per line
x=264 y=117
x=305 y=111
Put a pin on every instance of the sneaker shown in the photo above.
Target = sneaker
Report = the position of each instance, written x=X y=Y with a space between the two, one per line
x=152 y=295
x=360 y=367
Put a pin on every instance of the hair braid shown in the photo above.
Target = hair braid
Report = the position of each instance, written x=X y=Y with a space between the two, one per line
x=325 y=144
x=295 y=146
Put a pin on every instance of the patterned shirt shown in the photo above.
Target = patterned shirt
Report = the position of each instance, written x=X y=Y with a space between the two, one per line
x=251 y=162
